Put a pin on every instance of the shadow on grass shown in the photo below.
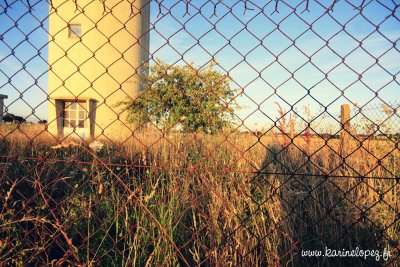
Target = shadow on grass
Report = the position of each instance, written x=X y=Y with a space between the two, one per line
x=319 y=212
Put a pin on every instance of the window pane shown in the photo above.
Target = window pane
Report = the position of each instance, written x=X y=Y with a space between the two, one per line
x=81 y=124
x=82 y=105
x=81 y=115
x=67 y=105
x=74 y=30
x=74 y=114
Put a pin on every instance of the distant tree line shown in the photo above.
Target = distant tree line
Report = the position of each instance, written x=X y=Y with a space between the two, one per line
x=9 y=117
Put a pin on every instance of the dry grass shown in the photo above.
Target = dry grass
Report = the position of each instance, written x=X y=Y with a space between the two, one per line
x=194 y=199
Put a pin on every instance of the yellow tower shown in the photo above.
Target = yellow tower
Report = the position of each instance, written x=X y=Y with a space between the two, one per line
x=98 y=54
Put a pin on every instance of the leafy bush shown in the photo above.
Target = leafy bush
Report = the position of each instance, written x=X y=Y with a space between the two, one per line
x=186 y=97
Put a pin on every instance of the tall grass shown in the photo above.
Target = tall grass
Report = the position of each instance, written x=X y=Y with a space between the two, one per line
x=193 y=199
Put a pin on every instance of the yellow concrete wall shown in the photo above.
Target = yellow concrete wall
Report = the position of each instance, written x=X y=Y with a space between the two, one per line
x=105 y=64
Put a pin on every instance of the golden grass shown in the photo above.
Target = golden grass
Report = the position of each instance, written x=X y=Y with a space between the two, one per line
x=225 y=200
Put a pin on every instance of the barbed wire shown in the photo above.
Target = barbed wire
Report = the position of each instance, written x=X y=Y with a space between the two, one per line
x=246 y=6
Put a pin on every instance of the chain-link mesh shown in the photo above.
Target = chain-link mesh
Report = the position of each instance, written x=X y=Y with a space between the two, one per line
x=227 y=133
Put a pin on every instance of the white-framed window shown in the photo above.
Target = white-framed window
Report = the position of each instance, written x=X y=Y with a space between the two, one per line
x=75 y=114
x=74 y=30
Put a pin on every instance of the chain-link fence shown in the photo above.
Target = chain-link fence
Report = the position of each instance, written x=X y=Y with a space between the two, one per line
x=216 y=133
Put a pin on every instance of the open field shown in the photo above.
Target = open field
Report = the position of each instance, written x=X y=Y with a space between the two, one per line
x=195 y=199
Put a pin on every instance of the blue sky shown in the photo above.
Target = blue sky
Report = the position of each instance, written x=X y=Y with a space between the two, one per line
x=258 y=56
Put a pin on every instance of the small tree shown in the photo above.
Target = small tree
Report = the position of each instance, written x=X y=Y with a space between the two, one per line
x=195 y=99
